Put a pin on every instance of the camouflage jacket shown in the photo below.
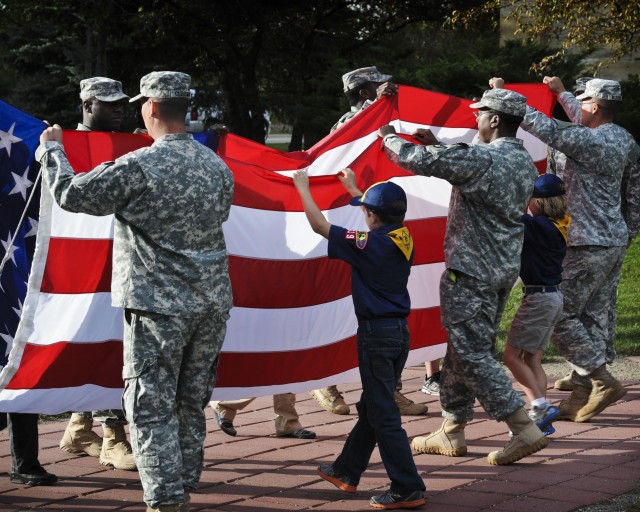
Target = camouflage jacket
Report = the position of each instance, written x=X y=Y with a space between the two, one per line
x=602 y=166
x=352 y=113
x=556 y=160
x=169 y=201
x=492 y=184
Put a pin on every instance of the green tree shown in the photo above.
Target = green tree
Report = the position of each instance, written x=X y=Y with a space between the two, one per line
x=574 y=23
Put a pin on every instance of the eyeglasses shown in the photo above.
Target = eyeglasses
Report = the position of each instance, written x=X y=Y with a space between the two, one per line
x=478 y=113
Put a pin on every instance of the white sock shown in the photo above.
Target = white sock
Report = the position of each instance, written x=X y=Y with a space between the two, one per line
x=539 y=402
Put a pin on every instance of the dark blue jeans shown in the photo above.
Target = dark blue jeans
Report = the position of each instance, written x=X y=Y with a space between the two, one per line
x=383 y=347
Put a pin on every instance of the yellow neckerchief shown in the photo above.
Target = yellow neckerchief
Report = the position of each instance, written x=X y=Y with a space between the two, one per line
x=563 y=226
x=403 y=239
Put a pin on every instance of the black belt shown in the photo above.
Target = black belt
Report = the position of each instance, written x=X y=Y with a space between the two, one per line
x=540 y=289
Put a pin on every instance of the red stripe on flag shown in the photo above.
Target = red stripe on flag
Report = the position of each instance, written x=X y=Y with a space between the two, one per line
x=265 y=368
x=86 y=150
x=260 y=283
x=84 y=266
x=428 y=239
x=78 y=266
x=66 y=364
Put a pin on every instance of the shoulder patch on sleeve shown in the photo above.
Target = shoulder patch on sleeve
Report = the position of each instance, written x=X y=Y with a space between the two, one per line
x=359 y=237
x=403 y=239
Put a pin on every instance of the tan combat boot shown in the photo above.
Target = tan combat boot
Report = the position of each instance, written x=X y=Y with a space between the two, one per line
x=447 y=440
x=569 y=407
x=174 y=507
x=527 y=439
x=409 y=407
x=79 y=437
x=116 y=450
x=565 y=383
x=330 y=399
x=606 y=390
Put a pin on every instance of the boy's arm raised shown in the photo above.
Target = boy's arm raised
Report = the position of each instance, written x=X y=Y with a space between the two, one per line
x=315 y=217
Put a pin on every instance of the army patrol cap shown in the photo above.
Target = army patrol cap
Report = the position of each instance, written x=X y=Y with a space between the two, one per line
x=383 y=197
x=603 y=89
x=361 y=76
x=163 y=85
x=101 y=88
x=581 y=84
x=503 y=101
x=548 y=185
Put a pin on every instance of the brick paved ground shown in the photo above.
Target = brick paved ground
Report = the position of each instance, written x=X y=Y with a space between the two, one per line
x=584 y=464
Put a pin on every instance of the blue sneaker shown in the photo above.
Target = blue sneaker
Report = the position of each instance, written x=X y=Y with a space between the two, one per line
x=550 y=430
x=544 y=416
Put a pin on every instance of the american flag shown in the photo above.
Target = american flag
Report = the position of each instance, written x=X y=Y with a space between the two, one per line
x=19 y=135
x=292 y=327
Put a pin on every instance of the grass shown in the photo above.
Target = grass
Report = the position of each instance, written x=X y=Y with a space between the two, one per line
x=627 y=341
x=282 y=146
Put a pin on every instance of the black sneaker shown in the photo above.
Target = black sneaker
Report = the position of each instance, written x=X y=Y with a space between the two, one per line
x=41 y=477
x=394 y=500
x=344 y=483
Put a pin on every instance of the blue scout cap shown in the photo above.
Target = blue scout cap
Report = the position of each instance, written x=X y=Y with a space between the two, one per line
x=383 y=197
x=548 y=185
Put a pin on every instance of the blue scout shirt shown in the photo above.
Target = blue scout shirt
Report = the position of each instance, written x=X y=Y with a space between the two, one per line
x=544 y=248
x=380 y=265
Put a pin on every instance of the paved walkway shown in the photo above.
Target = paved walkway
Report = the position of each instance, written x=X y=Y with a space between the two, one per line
x=584 y=464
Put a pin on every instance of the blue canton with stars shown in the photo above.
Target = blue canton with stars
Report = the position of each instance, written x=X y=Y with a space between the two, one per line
x=19 y=136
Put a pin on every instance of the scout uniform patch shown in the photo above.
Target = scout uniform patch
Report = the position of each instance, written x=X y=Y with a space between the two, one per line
x=360 y=238
x=403 y=239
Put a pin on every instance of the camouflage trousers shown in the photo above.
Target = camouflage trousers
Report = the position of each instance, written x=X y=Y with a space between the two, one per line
x=612 y=318
x=471 y=313
x=108 y=417
x=169 y=371
x=586 y=329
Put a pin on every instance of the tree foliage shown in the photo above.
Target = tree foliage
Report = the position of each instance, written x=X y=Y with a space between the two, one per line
x=248 y=56
x=573 y=24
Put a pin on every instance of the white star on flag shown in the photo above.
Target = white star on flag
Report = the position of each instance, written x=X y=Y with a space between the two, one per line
x=8 y=138
x=22 y=184
x=9 y=341
x=18 y=310
x=34 y=228
x=9 y=248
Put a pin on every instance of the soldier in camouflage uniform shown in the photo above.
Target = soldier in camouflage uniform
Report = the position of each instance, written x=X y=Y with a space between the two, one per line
x=492 y=183
x=556 y=160
x=170 y=275
x=630 y=195
x=362 y=87
x=103 y=104
x=601 y=176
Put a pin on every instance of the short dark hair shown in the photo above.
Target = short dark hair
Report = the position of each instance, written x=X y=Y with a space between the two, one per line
x=392 y=218
x=172 y=109
x=610 y=106
x=512 y=122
